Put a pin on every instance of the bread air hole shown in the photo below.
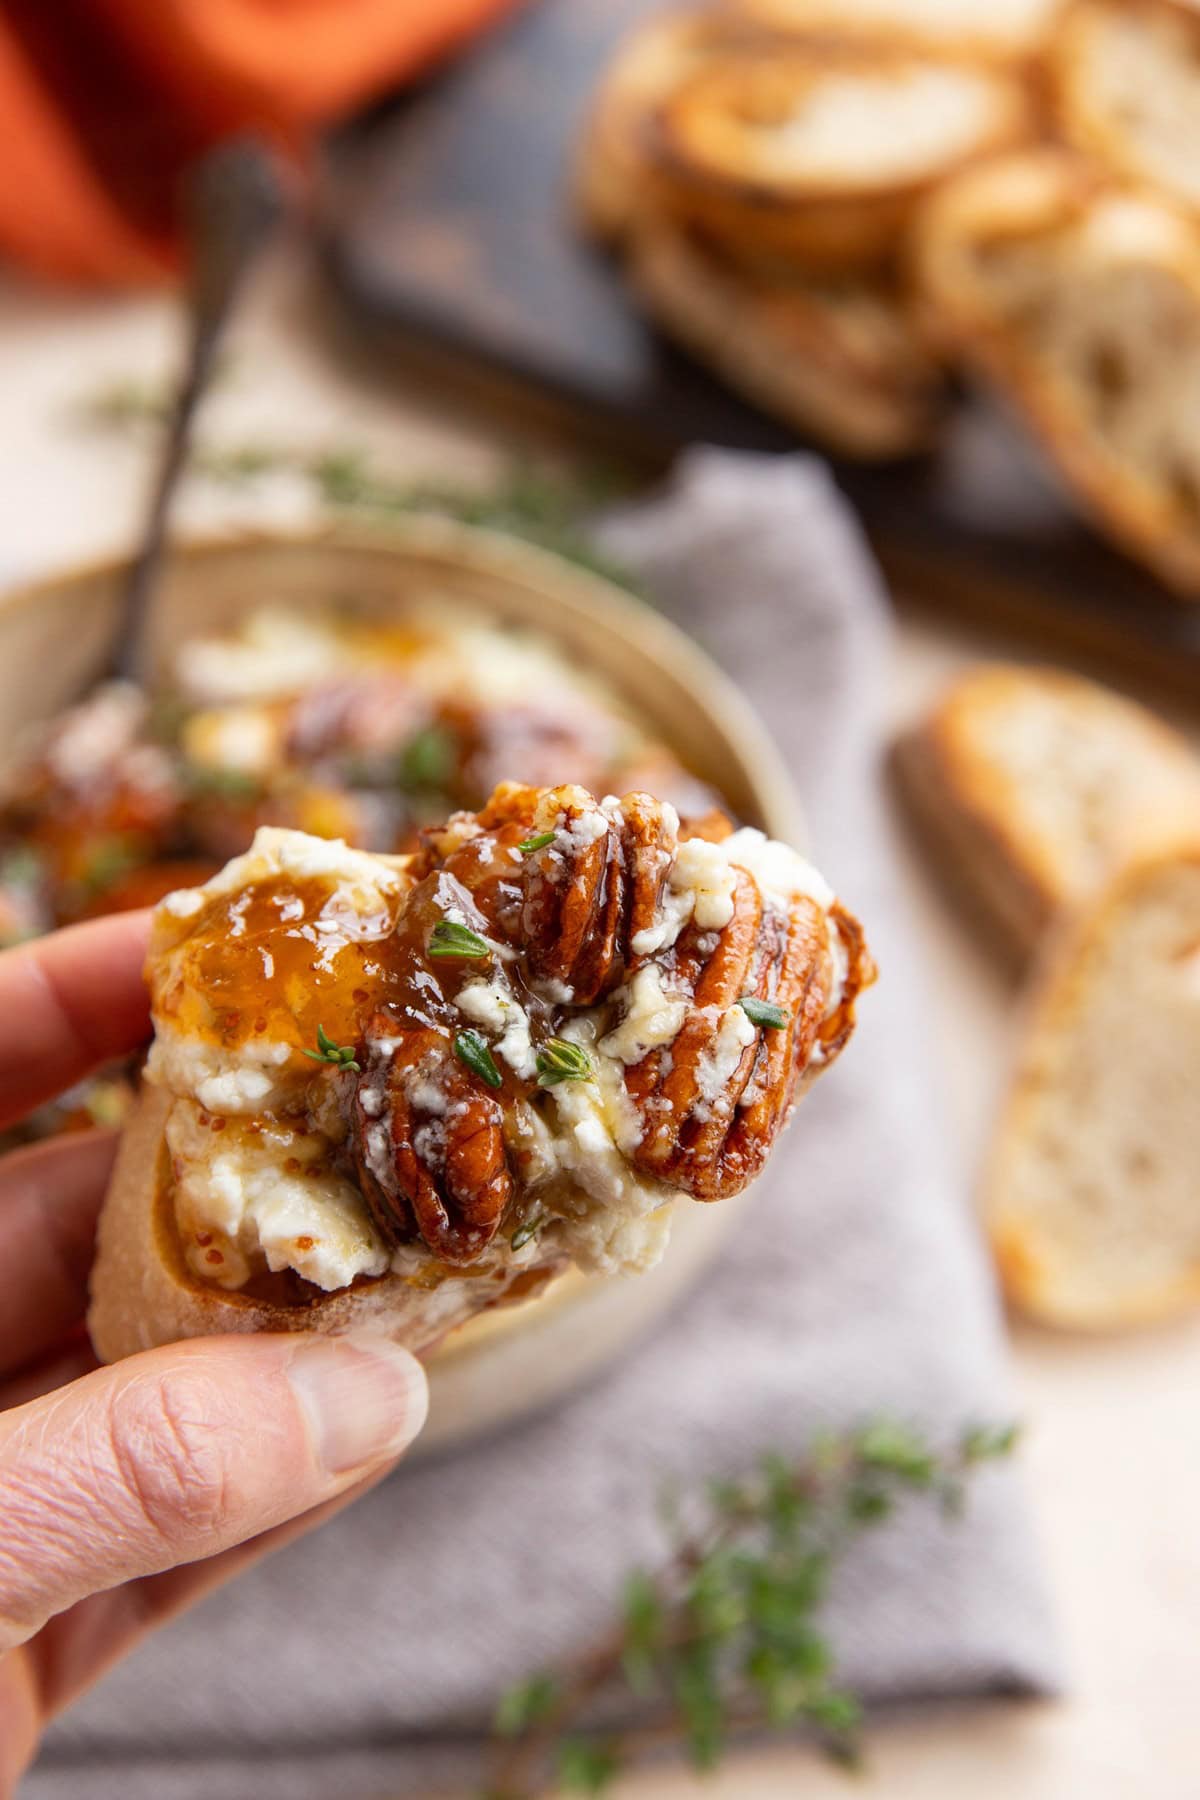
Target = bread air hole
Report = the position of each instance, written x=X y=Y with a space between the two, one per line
x=1110 y=373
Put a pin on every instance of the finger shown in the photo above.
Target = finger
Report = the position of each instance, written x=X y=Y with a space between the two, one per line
x=77 y=1648
x=183 y=1452
x=50 y=1197
x=70 y=1002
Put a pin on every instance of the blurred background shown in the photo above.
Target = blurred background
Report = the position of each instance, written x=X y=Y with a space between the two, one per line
x=519 y=257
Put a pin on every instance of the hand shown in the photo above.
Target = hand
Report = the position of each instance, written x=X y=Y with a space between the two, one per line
x=128 y=1492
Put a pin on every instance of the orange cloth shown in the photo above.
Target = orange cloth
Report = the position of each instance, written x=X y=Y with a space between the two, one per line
x=103 y=104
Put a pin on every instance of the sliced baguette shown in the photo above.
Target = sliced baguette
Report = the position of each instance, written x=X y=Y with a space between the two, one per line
x=144 y=1294
x=1034 y=783
x=841 y=360
x=821 y=151
x=1004 y=29
x=1126 y=81
x=1093 y=1196
x=1078 y=299
x=650 y=62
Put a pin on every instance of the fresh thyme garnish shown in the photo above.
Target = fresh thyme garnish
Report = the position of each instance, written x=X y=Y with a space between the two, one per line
x=764 y=1012
x=472 y=1050
x=527 y=1231
x=557 y=1060
x=528 y=501
x=537 y=843
x=728 y=1635
x=449 y=939
x=426 y=761
x=341 y=1056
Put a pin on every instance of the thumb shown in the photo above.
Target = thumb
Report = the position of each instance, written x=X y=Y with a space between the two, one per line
x=182 y=1452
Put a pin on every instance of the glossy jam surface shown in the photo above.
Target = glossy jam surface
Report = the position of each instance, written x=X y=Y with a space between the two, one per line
x=285 y=958
x=278 y=960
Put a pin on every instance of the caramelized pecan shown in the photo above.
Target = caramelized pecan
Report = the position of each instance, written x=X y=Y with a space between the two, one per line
x=585 y=894
x=430 y=1145
x=714 y=1102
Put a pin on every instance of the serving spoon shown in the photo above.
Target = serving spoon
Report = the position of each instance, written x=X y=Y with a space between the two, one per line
x=234 y=201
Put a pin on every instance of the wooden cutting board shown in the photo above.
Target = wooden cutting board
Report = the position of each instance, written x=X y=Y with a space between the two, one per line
x=449 y=233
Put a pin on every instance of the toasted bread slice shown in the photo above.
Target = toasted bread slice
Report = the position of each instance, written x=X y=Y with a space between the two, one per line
x=1126 y=78
x=1004 y=29
x=1093 y=1198
x=821 y=151
x=144 y=1293
x=1035 y=783
x=839 y=358
x=650 y=62
x=1079 y=300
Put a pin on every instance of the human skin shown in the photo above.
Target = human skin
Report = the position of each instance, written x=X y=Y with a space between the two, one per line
x=127 y=1493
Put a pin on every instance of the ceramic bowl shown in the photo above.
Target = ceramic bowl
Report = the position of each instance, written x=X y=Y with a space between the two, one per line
x=54 y=637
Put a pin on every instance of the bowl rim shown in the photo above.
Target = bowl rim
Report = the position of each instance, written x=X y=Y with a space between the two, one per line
x=490 y=552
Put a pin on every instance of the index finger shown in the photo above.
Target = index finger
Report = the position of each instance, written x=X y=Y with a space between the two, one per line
x=68 y=1003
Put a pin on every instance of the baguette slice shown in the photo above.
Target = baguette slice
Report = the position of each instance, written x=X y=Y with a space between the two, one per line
x=840 y=359
x=1078 y=299
x=144 y=1294
x=1004 y=29
x=1093 y=1199
x=1034 y=783
x=821 y=151
x=650 y=62
x=1126 y=80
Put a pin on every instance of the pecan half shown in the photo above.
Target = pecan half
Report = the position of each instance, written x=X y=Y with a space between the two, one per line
x=715 y=1101
x=429 y=1145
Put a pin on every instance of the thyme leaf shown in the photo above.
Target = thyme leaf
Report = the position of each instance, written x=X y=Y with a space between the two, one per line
x=450 y=939
x=471 y=1049
x=537 y=843
x=527 y=1230
x=764 y=1012
x=558 y=1060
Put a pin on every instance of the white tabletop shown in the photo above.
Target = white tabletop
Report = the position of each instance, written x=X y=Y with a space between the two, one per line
x=1112 y=1449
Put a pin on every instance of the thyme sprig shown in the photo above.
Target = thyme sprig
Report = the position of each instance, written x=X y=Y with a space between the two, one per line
x=728 y=1635
x=341 y=1056
x=527 y=500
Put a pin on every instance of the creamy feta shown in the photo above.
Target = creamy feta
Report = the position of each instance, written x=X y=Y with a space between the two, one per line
x=244 y=1196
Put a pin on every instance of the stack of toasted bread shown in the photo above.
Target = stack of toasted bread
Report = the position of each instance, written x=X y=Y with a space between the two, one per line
x=1070 y=819
x=837 y=203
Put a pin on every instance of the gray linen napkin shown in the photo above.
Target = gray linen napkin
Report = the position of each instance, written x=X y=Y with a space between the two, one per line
x=353 y=1661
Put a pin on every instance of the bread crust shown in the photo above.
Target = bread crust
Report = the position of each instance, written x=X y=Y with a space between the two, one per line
x=979 y=33
x=1029 y=1260
x=965 y=804
x=143 y=1294
x=1031 y=197
x=982 y=855
x=853 y=372
x=651 y=60
x=835 y=222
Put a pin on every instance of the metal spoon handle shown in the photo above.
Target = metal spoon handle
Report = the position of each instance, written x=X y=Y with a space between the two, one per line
x=234 y=201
